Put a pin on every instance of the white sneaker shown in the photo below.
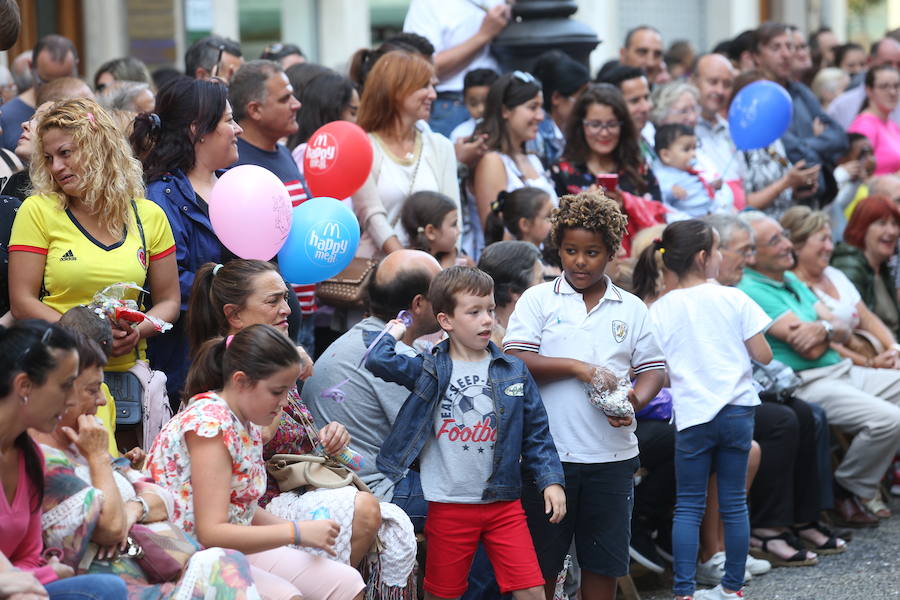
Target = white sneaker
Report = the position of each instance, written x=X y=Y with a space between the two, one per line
x=712 y=571
x=717 y=593
x=757 y=566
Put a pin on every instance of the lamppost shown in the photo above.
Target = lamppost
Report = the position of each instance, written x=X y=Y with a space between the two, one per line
x=541 y=25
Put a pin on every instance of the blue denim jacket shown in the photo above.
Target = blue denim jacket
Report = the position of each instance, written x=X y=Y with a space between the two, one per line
x=522 y=429
x=195 y=245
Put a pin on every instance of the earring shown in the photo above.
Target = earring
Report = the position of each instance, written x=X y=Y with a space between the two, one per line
x=24 y=400
x=201 y=140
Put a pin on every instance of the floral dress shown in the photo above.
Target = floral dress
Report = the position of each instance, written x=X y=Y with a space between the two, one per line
x=71 y=511
x=169 y=462
x=388 y=574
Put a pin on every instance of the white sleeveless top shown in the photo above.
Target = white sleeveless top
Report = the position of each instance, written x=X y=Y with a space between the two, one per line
x=844 y=306
x=515 y=179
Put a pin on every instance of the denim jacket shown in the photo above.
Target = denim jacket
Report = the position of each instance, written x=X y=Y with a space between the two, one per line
x=522 y=429
x=195 y=245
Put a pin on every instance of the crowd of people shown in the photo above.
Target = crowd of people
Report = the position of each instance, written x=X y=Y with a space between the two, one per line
x=589 y=330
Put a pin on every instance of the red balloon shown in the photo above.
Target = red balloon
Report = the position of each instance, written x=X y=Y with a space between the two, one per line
x=337 y=160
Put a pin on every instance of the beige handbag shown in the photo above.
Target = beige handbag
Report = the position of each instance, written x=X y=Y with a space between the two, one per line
x=293 y=471
x=350 y=287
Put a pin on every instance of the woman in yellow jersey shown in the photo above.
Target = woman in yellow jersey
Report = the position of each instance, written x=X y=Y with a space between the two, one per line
x=87 y=225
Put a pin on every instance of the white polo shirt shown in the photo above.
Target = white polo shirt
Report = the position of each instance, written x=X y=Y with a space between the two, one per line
x=552 y=320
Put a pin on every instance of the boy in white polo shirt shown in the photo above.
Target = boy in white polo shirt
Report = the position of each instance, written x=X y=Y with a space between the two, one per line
x=563 y=330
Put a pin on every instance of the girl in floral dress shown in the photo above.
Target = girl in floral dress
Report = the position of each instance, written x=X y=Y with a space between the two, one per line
x=210 y=457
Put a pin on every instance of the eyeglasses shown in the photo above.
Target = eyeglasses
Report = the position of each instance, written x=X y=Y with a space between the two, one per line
x=33 y=347
x=777 y=239
x=215 y=71
x=597 y=126
x=274 y=48
x=888 y=87
x=687 y=110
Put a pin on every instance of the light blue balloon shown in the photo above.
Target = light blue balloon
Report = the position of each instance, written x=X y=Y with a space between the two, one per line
x=759 y=114
x=322 y=242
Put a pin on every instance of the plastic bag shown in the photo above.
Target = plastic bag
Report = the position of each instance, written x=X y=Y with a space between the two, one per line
x=110 y=302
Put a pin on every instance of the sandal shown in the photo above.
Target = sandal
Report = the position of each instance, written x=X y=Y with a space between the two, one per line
x=797 y=560
x=834 y=544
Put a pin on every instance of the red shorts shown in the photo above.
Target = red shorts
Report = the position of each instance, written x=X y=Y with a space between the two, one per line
x=453 y=532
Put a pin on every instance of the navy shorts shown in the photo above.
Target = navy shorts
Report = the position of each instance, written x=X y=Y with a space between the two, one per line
x=599 y=499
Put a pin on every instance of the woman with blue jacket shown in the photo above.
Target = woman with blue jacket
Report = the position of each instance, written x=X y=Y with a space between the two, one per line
x=190 y=137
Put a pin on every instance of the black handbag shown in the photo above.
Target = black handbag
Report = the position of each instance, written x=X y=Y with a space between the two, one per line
x=125 y=387
x=128 y=392
x=776 y=381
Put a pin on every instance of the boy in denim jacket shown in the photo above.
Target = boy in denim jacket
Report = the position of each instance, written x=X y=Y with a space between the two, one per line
x=472 y=414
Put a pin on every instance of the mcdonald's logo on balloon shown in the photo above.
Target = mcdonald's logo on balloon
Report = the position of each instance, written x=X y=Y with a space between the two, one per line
x=322 y=242
x=337 y=160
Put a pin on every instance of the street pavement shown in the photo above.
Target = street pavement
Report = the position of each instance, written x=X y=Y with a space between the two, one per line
x=868 y=570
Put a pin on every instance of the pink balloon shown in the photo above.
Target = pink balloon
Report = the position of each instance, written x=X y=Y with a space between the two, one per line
x=250 y=212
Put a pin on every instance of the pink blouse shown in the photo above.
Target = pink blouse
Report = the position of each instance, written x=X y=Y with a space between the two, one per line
x=885 y=138
x=21 y=540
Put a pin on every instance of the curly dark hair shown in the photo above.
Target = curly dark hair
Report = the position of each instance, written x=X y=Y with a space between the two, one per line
x=593 y=211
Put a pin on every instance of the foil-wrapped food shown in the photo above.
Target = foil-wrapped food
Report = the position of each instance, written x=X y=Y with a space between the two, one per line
x=610 y=393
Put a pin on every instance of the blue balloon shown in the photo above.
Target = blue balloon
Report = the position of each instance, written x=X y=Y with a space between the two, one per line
x=322 y=242
x=759 y=115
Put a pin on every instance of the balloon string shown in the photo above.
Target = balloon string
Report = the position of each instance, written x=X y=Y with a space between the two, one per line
x=335 y=391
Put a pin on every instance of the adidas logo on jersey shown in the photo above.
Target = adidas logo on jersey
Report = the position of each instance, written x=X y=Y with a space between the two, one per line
x=69 y=255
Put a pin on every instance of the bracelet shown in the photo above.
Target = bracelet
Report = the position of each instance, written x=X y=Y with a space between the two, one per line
x=296 y=532
x=145 y=508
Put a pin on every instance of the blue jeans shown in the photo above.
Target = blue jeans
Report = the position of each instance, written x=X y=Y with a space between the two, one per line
x=447 y=112
x=88 y=587
x=724 y=443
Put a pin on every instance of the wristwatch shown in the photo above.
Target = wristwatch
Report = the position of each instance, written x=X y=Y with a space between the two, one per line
x=145 y=508
x=829 y=328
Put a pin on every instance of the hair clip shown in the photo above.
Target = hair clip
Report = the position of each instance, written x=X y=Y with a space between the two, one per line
x=524 y=76
x=216 y=269
x=420 y=229
x=228 y=340
x=155 y=123
x=90 y=117
x=662 y=250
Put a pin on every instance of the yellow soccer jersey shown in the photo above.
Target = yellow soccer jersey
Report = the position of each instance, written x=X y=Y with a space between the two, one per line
x=78 y=266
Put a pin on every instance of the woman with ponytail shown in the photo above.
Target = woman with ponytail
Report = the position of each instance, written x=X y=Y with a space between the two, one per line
x=714 y=398
x=210 y=456
x=227 y=300
x=37 y=379
x=182 y=145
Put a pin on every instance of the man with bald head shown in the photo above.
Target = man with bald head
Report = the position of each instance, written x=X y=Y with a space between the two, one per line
x=714 y=76
x=845 y=107
x=400 y=282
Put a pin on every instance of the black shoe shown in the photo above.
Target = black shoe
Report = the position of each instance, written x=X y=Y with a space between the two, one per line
x=643 y=551
x=664 y=543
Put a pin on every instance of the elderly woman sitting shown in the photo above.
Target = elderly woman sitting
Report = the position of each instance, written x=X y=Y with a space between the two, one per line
x=810 y=232
x=869 y=241
x=91 y=502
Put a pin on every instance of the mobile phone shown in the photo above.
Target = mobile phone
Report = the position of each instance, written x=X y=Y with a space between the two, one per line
x=608 y=181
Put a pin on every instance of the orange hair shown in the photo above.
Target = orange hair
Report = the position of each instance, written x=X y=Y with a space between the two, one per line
x=395 y=76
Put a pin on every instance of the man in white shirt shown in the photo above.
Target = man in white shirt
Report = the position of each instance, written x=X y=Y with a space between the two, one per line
x=845 y=107
x=461 y=32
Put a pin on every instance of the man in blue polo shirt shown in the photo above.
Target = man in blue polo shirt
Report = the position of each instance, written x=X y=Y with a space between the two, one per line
x=859 y=400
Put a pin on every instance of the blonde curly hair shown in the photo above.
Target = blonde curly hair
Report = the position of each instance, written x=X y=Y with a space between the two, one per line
x=593 y=211
x=110 y=176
